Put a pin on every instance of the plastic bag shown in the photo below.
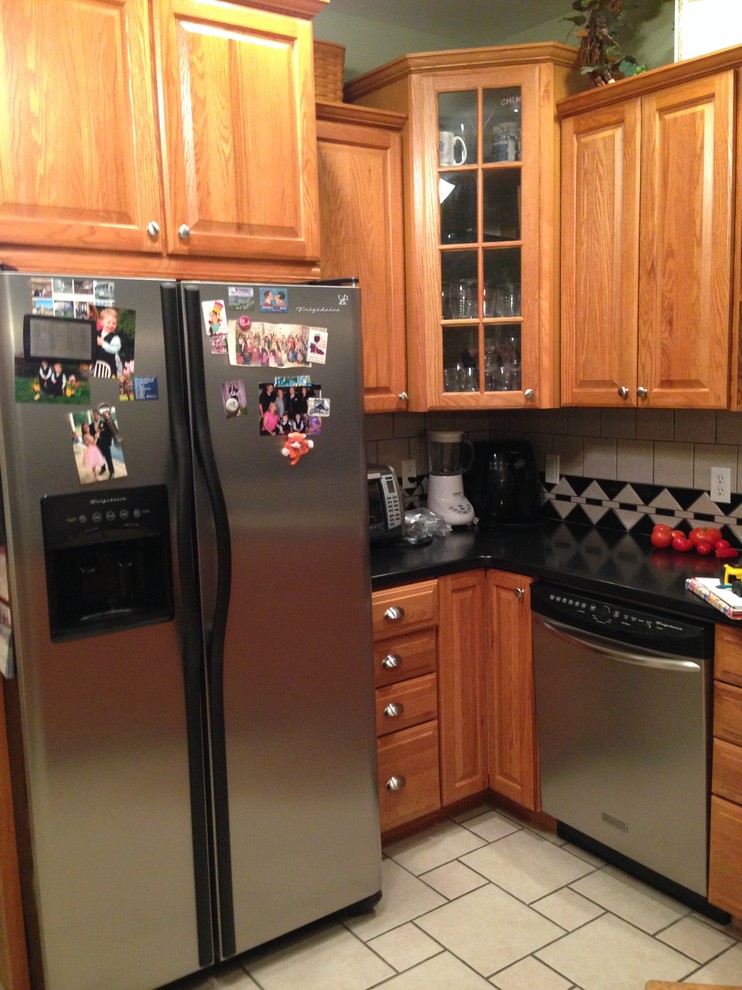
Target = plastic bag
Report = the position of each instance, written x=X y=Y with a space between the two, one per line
x=422 y=523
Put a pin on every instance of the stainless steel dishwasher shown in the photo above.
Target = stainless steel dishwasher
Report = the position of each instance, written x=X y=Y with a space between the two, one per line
x=622 y=714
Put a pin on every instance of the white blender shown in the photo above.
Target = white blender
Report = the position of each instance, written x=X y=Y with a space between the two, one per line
x=450 y=456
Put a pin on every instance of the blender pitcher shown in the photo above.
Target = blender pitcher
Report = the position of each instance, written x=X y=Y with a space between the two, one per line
x=450 y=456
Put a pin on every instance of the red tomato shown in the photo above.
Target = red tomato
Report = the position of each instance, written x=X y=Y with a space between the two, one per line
x=662 y=528
x=722 y=545
x=711 y=535
x=661 y=539
x=678 y=532
x=681 y=544
x=704 y=548
x=726 y=553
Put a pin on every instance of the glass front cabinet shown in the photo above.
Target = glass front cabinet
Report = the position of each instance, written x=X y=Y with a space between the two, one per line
x=482 y=220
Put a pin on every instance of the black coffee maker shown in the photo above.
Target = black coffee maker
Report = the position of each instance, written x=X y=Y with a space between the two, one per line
x=503 y=483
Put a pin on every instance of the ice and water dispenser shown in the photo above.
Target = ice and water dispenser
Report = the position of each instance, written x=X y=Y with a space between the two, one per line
x=108 y=560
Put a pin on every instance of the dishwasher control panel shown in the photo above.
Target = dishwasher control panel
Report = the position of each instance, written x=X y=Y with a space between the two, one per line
x=619 y=621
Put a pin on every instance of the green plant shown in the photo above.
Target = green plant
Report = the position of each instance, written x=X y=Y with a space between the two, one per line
x=603 y=26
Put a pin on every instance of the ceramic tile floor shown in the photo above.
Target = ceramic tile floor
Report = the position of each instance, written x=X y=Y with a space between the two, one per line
x=485 y=900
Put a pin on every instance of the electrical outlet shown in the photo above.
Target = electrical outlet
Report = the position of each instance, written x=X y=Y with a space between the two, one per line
x=721 y=484
x=409 y=473
x=551 y=469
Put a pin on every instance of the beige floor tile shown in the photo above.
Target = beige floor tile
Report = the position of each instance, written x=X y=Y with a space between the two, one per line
x=567 y=908
x=610 y=954
x=489 y=929
x=404 y=898
x=492 y=826
x=528 y=974
x=467 y=813
x=526 y=865
x=227 y=976
x=725 y=969
x=329 y=959
x=443 y=972
x=584 y=854
x=453 y=879
x=433 y=847
x=630 y=899
x=405 y=947
x=695 y=939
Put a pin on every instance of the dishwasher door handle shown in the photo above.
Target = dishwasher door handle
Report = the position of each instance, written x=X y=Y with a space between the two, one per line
x=613 y=651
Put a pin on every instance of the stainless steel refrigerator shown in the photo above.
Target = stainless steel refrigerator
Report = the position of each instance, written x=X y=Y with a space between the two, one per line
x=190 y=599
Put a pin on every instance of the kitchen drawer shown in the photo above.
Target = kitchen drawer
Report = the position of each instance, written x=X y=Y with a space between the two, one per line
x=409 y=760
x=728 y=713
x=398 y=706
x=725 y=856
x=405 y=656
x=728 y=655
x=726 y=778
x=398 y=609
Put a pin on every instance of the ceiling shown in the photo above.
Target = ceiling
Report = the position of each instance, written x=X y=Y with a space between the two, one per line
x=470 y=22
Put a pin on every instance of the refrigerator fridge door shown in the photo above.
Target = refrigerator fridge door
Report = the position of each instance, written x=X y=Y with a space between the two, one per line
x=295 y=784
x=102 y=717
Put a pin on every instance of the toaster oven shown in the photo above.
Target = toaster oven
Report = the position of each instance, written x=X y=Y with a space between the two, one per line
x=385 y=504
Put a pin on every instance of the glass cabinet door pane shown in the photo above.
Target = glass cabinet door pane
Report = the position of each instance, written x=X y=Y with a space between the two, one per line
x=457 y=192
x=501 y=205
x=501 y=125
x=460 y=359
x=459 y=287
x=457 y=128
x=502 y=283
x=502 y=357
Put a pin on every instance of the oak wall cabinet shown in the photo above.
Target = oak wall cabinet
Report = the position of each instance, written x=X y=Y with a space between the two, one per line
x=362 y=235
x=647 y=208
x=481 y=156
x=177 y=138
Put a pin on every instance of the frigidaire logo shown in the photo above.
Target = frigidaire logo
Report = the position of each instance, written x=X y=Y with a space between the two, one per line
x=107 y=501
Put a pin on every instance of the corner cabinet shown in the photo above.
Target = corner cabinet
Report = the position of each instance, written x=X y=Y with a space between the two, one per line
x=482 y=220
x=195 y=140
x=647 y=169
x=359 y=153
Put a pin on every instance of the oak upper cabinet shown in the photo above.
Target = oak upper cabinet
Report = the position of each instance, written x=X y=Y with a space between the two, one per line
x=481 y=191
x=462 y=701
x=79 y=157
x=175 y=129
x=647 y=239
x=513 y=766
x=241 y=162
x=362 y=235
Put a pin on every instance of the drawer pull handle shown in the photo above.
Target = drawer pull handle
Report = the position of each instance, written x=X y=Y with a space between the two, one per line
x=394 y=709
x=519 y=592
x=391 y=661
x=396 y=782
x=395 y=613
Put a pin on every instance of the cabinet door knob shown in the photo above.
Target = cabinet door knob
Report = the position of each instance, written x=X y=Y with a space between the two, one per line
x=642 y=392
x=395 y=613
x=396 y=782
x=394 y=709
x=519 y=592
x=184 y=232
x=391 y=661
x=623 y=391
x=529 y=393
x=403 y=396
x=153 y=228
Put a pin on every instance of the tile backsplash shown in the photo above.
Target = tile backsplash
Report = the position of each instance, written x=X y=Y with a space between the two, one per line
x=652 y=450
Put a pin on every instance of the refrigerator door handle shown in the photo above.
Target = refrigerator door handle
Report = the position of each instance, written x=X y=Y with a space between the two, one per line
x=189 y=619
x=217 y=632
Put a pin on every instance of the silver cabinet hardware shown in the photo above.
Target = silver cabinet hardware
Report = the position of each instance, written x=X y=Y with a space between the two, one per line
x=623 y=391
x=642 y=392
x=529 y=393
x=396 y=782
x=391 y=661
x=403 y=396
x=519 y=592
x=395 y=613
x=394 y=709
x=153 y=228
x=184 y=232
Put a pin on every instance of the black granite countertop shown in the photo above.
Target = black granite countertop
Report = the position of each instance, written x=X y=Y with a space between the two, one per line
x=589 y=559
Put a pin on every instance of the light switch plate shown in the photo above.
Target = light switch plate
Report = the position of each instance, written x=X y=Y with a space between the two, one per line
x=551 y=469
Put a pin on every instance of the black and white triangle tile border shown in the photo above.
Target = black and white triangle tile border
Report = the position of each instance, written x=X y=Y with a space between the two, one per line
x=636 y=507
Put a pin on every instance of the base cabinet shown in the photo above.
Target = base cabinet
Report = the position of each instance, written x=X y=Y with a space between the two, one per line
x=725 y=853
x=454 y=693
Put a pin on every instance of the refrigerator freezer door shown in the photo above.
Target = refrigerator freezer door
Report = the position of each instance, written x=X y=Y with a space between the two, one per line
x=297 y=676
x=103 y=717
